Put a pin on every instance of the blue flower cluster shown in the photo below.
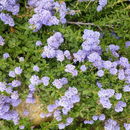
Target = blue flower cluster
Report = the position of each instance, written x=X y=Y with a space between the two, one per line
x=10 y=6
x=111 y=125
x=45 y=11
x=102 y=3
x=52 y=50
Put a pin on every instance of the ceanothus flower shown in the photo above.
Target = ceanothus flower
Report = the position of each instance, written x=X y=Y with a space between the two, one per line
x=18 y=70
x=113 y=71
x=58 y=83
x=55 y=41
x=102 y=117
x=111 y=125
x=38 y=43
x=93 y=57
x=88 y=122
x=126 y=88
x=127 y=44
x=2 y=41
x=60 y=55
x=124 y=62
x=51 y=107
x=71 y=69
x=80 y=55
x=21 y=59
x=32 y=88
x=121 y=74
x=30 y=98
x=95 y=117
x=48 y=52
x=25 y=112
x=69 y=120
x=127 y=126
x=67 y=54
x=119 y=106
x=21 y=127
x=45 y=80
x=100 y=73
x=14 y=95
x=6 y=55
x=106 y=93
x=83 y=68
x=118 y=96
x=61 y=126
x=99 y=84
x=2 y=86
x=12 y=74
x=16 y=83
x=107 y=64
x=105 y=102
x=7 y=19
x=36 y=68
x=42 y=115
x=35 y=80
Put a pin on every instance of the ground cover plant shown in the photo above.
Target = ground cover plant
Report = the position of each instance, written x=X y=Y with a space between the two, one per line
x=65 y=64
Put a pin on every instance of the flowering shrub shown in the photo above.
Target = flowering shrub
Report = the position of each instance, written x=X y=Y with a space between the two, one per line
x=64 y=64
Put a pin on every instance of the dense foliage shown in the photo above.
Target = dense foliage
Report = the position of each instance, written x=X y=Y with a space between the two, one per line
x=49 y=61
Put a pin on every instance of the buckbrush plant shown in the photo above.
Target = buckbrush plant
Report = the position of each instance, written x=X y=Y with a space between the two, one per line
x=65 y=64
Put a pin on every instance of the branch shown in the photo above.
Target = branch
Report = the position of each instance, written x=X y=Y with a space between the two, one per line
x=91 y=24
